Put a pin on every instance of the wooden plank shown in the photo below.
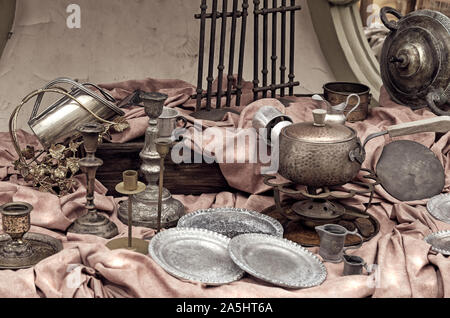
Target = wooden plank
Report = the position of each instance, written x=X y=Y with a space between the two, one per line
x=195 y=178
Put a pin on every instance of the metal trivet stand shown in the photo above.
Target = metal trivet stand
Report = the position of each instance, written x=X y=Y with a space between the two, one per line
x=321 y=207
x=18 y=248
x=92 y=223
x=145 y=204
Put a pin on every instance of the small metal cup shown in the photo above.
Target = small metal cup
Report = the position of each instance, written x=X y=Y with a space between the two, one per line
x=267 y=117
x=353 y=265
x=168 y=120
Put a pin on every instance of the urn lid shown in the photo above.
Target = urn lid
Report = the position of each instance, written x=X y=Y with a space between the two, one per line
x=319 y=131
x=414 y=57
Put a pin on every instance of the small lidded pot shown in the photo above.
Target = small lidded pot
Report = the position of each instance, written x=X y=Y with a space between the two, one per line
x=16 y=223
x=318 y=154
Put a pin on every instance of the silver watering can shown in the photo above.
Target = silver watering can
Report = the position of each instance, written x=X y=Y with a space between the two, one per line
x=332 y=242
x=77 y=107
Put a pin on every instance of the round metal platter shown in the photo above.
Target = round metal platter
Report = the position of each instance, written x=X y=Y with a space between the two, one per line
x=43 y=246
x=232 y=222
x=440 y=242
x=277 y=261
x=409 y=171
x=195 y=255
x=439 y=207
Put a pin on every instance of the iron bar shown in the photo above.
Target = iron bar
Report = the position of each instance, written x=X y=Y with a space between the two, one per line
x=201 y=54
x=256 y=50
x=221 y=66
x=242 y=51
x=276 y=86
x=283 y=49
x=215 y=94
x=274 y=49
x=210 y=77
x=292 y=50
x=220 y=15
x=279 y=9
x=265 y=70
x=231 y=55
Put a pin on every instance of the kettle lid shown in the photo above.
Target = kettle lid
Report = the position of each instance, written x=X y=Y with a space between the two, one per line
x=319 y=131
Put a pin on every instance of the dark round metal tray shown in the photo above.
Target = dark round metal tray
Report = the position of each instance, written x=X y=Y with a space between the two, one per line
x=306 y=236
x=43 y=246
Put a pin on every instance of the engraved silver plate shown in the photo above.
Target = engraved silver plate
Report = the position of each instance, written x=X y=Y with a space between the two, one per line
x=440 y=242
x=232 y=222
x=196 y=255
x=439 y=207
x=277 y=261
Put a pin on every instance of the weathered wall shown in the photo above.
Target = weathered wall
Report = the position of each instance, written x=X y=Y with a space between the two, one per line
x=120 y=40
x=7 y=10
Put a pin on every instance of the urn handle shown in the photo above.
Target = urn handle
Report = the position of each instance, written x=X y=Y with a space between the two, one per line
x=391 y=25
x=437 y=97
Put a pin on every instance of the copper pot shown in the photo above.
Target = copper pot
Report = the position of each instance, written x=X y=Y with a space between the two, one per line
x=320 y=154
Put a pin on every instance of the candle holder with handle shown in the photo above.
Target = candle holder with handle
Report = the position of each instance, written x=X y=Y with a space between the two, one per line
x=92 y=223
x=145 y=204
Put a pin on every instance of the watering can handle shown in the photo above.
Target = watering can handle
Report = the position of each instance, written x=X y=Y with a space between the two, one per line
x=65 y=80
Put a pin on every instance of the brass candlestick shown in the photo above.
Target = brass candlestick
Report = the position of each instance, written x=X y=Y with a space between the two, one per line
x=92 y=223
x=145 y=204
x=163 y=148
x=130 y=186
x=18 y=248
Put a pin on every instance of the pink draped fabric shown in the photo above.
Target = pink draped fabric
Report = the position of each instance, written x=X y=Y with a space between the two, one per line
x=86 y=268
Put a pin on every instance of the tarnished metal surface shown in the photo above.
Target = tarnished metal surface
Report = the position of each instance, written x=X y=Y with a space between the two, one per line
x=439 y=207
x=92 y=223
x=410 y=171
x=19 y=249
x=440 y=242
x=278 y=261
x=338 y=92
x=319 y=154
x=232 y=222
x=332 y=241
x=42 y=246
x=145 y=204
x=307 y=236
x=414 y=60
x=196 y=255
x=59 y=121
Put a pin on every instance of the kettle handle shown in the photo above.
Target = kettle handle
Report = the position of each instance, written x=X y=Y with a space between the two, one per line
x=64 y=80
x=437 y=97
x=436 y=124
x=391 y=25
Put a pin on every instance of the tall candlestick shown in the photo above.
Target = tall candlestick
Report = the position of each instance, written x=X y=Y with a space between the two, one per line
x=92 y=223
x=145 y=204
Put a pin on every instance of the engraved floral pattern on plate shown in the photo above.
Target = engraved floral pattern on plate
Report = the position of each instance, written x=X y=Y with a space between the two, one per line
x=195 y=255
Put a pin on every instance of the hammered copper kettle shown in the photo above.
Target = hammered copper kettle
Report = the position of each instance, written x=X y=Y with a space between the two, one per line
x=414 y=62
